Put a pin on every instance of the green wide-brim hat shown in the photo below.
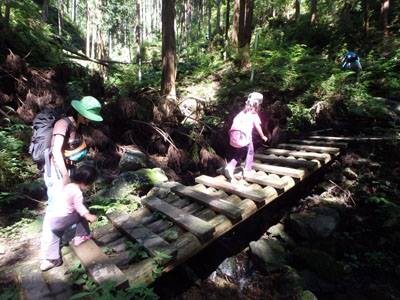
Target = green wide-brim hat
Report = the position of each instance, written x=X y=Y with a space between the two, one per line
x=89 y=107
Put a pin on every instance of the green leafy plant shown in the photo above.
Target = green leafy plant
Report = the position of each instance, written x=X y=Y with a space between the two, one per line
x=136 y=251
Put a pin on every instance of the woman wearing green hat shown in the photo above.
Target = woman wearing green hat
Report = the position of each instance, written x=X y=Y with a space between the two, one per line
x=67 y=143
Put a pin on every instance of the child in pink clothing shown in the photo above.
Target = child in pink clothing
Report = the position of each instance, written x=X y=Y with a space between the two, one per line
x=67 y=209
x=240 y=134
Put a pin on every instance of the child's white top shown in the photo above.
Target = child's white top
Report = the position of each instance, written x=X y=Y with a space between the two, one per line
x=70 y=199
x=245 y=122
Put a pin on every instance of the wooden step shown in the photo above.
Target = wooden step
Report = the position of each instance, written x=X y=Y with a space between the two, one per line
x=191 y=223
x=320 y=149
x=234 y=188
x=287 y=162
x=296 y=173
x=265 y=181
x=144 y=236
x=224 y=207
x=319 y=143
x=322 y=157
x=98 y=265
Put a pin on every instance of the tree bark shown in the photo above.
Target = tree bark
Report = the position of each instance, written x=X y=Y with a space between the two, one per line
x=209 y=20
x=45 y=10
x=138 y=40
x=60 y=16
x=218 y=29
x=7 y=13
x=88 y=27
x=385 y=16
x=297 y=10
x=168 y=50
x=235 y=28
x=228 y=10
x=245 y=21
x=313 y=11
x=366 y=17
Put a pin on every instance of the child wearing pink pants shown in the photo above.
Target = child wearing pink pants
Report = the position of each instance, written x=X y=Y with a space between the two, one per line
x=65 y=210
x=240 y=135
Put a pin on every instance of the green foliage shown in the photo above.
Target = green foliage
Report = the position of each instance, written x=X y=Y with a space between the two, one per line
x=29 y=35
x=107 y=291
x=136 y=251
x=301 y=117
x=15 y=166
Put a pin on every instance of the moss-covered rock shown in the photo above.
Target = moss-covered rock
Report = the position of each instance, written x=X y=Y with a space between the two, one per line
x=319 y=262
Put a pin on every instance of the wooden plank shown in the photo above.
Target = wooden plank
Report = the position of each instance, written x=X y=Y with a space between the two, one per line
x=354 y=138
x=265 y=180
x=240 y=190
x=219 y=205
x=287 y=162
x=98 y=265
x=323 y=157
x=191 y=223
x=150 y=241
x=296 y=173
x=320 y=149
x=319 y=143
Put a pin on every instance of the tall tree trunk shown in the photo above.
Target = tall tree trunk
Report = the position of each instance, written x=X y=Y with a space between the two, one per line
x=209 y=20
x=245 y=20
x=168 y=50
x=366 y=17
x=110 y=43
x=60 y=16
x=45 y=10
x=313 y=11
x=88 y=27
x=228 y=10
x=235 y=28
x=138 y=40
x=73 y=10
x=7 y=13
x=297 y=10
x=385 y=16
x=218 y=29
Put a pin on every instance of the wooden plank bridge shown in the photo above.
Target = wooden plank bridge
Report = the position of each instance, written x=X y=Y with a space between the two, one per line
x=176 y=221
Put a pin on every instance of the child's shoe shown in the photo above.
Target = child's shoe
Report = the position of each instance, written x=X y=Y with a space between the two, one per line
x=80 y=239
x=228 y=174
x=47 y=264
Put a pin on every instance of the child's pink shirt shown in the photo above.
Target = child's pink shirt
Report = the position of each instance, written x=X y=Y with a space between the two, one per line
x=245 y=122
x=70 y=199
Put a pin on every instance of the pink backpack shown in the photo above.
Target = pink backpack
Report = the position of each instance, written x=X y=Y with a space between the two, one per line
x=238 y=138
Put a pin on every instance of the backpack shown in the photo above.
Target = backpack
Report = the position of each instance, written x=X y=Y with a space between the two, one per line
x=42 y=133
x=238 y=138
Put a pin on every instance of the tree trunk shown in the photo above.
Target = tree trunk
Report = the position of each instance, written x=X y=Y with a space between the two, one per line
x=297 y=10
x=366 y=17
x=138 y=40
x=218 y=29
x=235 y=28
x=88 y=28
x=7 y=13
x=209 y=20
x=45 y=10
x=168 y=50
x=385 y=16
x=73 y=11
x=60 y=16
x=313 y=11
x=245 y=20
x=228 y=8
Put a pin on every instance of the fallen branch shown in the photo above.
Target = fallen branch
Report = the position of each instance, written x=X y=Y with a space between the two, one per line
x=161 y=132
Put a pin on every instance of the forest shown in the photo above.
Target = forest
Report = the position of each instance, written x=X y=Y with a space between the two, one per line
x=163 y=81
